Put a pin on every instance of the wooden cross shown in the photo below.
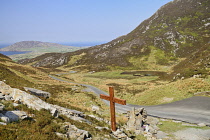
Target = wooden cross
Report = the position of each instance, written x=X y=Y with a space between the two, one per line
x=113 y=100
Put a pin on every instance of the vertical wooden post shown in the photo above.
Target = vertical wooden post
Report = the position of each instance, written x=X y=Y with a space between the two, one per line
x=112 y=108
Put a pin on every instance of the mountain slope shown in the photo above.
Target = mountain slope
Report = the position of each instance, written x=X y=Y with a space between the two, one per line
x=178 y=31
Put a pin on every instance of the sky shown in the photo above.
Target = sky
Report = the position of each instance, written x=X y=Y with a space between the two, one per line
x=63 y=21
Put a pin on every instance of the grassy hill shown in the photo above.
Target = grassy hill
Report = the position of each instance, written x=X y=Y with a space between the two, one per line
x=36 y=48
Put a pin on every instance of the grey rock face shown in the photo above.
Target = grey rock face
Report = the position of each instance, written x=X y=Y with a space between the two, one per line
x=136 y=119
x=54 y=112
x=2 y=123
x=36 y=103
x=38 y=92
x=120 y=134
x=72 y=132
x=4 y=118
x=11 y=116
x=75 y=133
x=16 y=115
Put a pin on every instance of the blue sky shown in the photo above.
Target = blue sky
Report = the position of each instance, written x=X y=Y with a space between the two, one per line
x=72 y=20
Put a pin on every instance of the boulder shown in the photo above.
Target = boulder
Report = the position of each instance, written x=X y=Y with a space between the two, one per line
x=4 y=118
x=38 y=92
x=136 y=119
x=16 y=115
x=74 y=133
x=54 y=112
x=8 y=97
x=95 y=108
x=120 y=135
x=201 y=124
x=60 y=135
x=2 y=123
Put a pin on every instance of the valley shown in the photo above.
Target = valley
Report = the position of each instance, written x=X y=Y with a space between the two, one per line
x=161 y=69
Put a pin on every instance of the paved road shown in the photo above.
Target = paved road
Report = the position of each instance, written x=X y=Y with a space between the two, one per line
x=192 y=110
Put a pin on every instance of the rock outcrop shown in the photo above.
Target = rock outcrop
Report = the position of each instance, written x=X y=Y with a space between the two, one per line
x=140 y=124
x=21 y=97
x=11 y=116
x=136 y=119
x=38 y=92
x=36 y=103
x=72 y=132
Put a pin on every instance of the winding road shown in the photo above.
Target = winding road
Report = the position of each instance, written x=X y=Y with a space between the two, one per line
x=194 y=110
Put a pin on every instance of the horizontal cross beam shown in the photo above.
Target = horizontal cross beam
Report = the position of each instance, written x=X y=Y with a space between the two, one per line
x=116 y=100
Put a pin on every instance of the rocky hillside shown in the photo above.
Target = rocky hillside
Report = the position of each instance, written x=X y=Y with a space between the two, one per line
x=178 y=34
x=31 y=115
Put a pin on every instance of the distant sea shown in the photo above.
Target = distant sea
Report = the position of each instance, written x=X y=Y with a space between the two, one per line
x=75 y=44
x=82 y=44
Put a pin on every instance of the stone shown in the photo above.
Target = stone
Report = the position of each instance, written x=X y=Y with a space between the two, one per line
x=60 y=135
x=131 y=120
x=16 y=115
x=54 y=112
x=136 y=119
x=7 y=97
x=119 y=134
x=38 y=92
x=4 y=118
x=2 y=123
x=101 y=128
x=97 y=118
x=95 y=108
x=75 y=133
x=15 y=104
x=201 y=124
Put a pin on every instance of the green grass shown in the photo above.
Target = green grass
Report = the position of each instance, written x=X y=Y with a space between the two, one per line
x=169 y=126
x=117 y=75
x=109 y=75
x=176 y=91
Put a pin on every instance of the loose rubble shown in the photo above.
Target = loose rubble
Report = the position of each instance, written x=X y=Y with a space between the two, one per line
x=73 y=132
